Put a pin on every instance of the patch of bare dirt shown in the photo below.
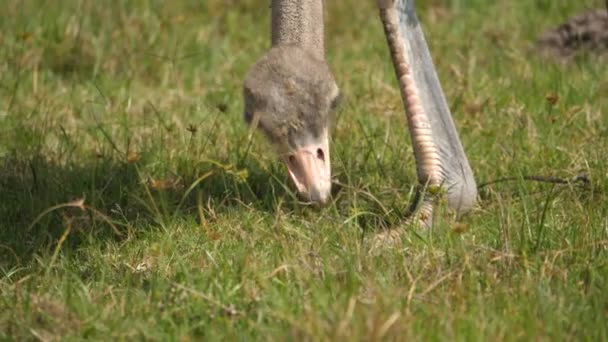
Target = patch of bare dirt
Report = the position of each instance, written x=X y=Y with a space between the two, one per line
x=586 y=32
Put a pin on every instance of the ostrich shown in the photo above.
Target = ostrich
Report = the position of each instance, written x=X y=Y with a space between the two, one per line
x=290 y=93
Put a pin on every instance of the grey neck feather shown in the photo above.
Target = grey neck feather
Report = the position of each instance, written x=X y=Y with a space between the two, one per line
x=299 y=22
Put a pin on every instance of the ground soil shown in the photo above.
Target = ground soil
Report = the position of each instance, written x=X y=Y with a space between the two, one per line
x=586 y=32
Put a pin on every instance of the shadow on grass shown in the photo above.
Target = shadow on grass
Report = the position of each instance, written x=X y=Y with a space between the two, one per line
x=118 y=201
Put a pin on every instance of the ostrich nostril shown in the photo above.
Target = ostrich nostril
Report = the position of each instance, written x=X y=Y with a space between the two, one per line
x=320 y=154
x=292 y=160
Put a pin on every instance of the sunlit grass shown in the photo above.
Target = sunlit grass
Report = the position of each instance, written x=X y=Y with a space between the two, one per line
x=134 y=203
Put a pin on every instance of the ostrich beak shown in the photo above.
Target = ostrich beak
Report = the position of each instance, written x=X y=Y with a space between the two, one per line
x=309 y=169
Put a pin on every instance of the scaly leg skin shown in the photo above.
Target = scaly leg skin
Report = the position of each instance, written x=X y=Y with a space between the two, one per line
x=422 y=217
x=442 y=166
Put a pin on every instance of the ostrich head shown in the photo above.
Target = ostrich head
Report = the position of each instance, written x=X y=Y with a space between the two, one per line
x=289 y=95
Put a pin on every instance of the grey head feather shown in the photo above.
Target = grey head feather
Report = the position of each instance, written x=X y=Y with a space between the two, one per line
x=290 y=95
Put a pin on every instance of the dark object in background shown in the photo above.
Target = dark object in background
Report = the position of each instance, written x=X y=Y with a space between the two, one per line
x=585 y=32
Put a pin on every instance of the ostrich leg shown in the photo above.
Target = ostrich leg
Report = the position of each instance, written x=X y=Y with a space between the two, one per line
x=440 y=159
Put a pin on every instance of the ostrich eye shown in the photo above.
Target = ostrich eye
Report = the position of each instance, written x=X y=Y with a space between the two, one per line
x=247 y=116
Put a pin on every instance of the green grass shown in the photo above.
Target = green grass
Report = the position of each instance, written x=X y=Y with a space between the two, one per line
x=190 y=230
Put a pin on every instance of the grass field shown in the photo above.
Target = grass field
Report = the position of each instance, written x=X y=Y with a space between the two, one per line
x=134 y=204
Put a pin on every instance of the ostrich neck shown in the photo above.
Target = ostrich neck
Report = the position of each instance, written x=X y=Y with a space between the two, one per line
x=299 y=22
